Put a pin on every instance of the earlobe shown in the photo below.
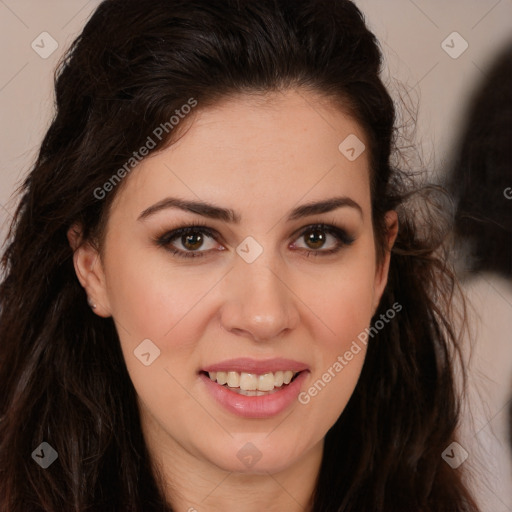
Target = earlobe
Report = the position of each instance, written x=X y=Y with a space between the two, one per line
x=381 y=276
x=89 y=271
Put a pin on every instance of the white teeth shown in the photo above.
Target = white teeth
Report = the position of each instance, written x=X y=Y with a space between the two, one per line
x=266 y=382
x=278 y=379
x=251 y=384
x=233 y=379
x=287 y=377
x=222 y=378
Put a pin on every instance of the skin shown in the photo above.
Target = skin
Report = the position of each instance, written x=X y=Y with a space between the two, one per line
x=261 y=156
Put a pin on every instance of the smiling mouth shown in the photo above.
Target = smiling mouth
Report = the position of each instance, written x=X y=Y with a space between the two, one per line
x=251 y=384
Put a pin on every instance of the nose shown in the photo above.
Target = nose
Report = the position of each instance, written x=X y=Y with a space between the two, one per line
x=258 y=301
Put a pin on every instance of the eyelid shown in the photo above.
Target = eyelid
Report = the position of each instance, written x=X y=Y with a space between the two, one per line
x=164 y=240
x=340 y=233
x=184 y=228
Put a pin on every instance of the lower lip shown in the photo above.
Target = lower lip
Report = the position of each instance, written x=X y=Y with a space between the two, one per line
x=255 y=406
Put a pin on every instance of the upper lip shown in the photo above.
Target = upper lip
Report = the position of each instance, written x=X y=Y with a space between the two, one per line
x=259 y=367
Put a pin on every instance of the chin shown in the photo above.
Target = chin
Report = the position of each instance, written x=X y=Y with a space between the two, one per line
x=255 y=457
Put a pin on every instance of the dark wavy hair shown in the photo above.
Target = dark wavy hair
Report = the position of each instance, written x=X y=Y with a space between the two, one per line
x=62 y=373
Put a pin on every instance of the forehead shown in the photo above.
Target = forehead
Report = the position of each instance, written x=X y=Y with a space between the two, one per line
x=254 y=151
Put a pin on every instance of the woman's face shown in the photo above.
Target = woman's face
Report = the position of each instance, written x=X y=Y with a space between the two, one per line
x=261 y=285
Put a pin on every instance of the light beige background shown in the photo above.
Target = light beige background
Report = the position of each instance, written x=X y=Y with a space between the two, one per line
x=411 y=33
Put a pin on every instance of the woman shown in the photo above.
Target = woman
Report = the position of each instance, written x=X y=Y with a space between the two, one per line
x=201 y=264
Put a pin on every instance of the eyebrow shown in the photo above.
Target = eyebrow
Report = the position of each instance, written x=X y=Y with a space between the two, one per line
x=227 y=215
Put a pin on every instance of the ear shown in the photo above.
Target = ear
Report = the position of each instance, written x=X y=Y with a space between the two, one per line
x=381 y=274
x=89 y=270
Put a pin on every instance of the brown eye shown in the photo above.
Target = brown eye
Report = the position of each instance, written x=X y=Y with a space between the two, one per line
x=315 y=238
x=192 y=241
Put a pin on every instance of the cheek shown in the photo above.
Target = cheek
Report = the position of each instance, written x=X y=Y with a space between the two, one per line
x=152 y=299
x=150 y=296
x=157 y=310
x=340 y=358
x=343 y=301
x=344 y=304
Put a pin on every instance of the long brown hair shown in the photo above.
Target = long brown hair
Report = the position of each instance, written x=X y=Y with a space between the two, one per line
x=62 y=373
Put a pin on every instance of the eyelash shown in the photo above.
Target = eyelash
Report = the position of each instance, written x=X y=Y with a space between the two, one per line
x=164 y=240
